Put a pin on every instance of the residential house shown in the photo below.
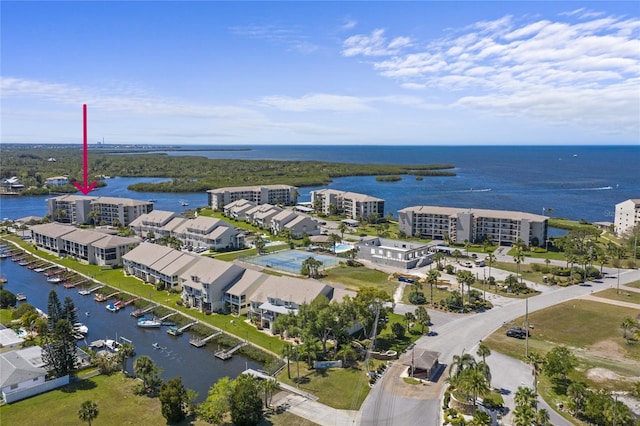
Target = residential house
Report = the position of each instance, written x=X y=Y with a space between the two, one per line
x=12 y=184
x=153 y=222
x=238 y=209
x=261 y=215
x=627 y=216
x=21 y=371
x=156 y=264
x=56 y=181
x=302 y=225
x=278 y=221
x=473 y=225
x=264 y=194
x=237 y=296
x=396 y=253
x=209 y=232
x=204 y=283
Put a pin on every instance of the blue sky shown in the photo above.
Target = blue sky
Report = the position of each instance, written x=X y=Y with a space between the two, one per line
x=236 y=73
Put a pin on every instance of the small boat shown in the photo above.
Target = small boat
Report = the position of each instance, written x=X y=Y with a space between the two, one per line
x=4 y=255
x=3 y=280
x=80 y=328
x=174 y=331
x=156 y=345
x=88 y=313
x=84 y=292
x=21 y=297
x=184 y=203
x=152 y=200
x=149 y=323
x=111 y=307
x=119 y=304
x=54 y=280
x=111 y=345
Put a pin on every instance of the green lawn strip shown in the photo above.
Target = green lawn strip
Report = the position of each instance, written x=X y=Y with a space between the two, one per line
x=6 y=316
x=438 y=294
x=635 y=284
x=341 y=388
x=113 y=395
x=623 y=295
x=354 y=278
x=387 y=341
x=115 y=278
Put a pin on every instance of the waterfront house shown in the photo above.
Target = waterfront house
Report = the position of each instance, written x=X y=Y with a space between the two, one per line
x=301 y=225
x=474 y=225
x=22 y=373
x=280 y=220
x=236 y=297
x=263 y=194
x=56 y=181
x=204 y=282
x=48 y=236
x=12 y=184
x=396 y=253
x=209 y=232
x=9 y=338
x=283 y=295
x=156 y=264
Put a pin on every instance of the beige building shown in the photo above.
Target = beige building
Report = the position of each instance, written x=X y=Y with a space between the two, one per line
x=627 y=216
x=474 y=225
x=80 y=209
x=264 y=194
x=84 y=245
x=351 y=204
x=153 y=263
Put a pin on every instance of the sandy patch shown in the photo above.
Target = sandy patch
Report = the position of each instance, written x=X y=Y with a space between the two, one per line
x=602 y=375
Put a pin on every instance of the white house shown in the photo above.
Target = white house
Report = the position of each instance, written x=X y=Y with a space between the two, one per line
x=21 y=370
x=205 y=281
x=627 y=216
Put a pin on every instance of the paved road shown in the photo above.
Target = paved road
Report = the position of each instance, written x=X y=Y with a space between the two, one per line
x=383 y=405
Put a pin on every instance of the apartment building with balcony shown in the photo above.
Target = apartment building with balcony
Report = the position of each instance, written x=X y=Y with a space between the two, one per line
x=627 y=216
x=351 y=204
x=264 y=194
x=396 y=253
x=84 y=245
x=474 y=225
x=238 y=209
x=205 y=281
x=80 y=209
x=154 y=221
x=153 y=263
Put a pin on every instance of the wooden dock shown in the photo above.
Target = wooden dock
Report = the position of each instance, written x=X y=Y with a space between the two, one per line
x=130 y=301
x=103 y=298
x=91 y=290
x=198 y=343
x=225 y=355
x=140 y=312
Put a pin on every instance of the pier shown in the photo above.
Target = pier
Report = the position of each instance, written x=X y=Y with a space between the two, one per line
x=102 y=297
x=88 y=292
x=225 y=355
x=130 y=301
x=140 y=312
x=198 y=343
x=176 y=331
x=75 y=283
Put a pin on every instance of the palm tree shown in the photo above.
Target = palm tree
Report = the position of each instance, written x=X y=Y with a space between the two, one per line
x=542 y=418
x=287 y=352
x=334 y=239
x=526 y=406
x=258 y=241
x=144 y=367
x=267 y=387
x=627 y=324
x=409 y=317
x=438 y=257
x=88 y=411
x=125 y=351
x=483 y=351
x=460 y=363
x=432 y=279
x=474 y=381
x=537 y=361
x=518 y=258
x=422 y=316
x=465 y=278
x=342 y=228
x=456 y=253
x=490 y=259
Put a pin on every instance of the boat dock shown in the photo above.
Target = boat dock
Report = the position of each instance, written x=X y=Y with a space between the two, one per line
x=198 y=343
x=176 y=331
x=140 y=312
x=91 y=290
x=167 y=316
x=130 y=301
x=46 y=268
x=75 y=283
x=102 y=297
x=225 y=355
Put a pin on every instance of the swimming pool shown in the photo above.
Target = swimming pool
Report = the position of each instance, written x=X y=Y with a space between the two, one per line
x=341 y=248
x=291 y=260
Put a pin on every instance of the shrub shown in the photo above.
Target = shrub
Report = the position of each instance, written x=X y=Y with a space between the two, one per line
x=417 y=298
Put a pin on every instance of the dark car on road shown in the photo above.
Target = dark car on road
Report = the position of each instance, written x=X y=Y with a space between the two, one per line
x=517 y=332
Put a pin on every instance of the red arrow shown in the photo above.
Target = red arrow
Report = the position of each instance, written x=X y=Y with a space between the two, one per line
x=85 y=188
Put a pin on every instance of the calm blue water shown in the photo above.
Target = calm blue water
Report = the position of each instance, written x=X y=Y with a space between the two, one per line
x=576 y=182
x=176 y=355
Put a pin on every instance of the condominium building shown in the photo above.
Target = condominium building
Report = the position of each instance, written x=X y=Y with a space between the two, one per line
x=627 y=216
x=473 y=225
x=396 y=253
x=271 y=194
x=80 y=209
x=351 y=204
x=84 y=245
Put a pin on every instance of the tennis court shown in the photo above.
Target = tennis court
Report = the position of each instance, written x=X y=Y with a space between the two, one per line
x=291 y=260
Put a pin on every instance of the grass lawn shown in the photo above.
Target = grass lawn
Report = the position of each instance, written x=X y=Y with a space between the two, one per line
x=635 y=284
x=354 y=278
x=623 y=296
x=6 y=316
x=341 y=388
x=116 y=405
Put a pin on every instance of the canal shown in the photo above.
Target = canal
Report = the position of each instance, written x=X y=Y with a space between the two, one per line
x=198 y=367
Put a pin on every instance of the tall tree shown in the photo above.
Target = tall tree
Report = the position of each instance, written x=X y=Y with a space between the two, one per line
x=173 y=400
x=422 y=316
x=483 y=351
x=148 y=371
x=218 y=402
x=432 y=279
x=245 y=403
x=559 y=362
x=88 y=412
x=54 y=309
x=125 y=351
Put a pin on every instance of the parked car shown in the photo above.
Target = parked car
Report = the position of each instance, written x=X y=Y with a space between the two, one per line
x=517 y=332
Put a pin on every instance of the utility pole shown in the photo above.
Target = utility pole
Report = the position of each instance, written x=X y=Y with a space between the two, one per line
x=526 y=328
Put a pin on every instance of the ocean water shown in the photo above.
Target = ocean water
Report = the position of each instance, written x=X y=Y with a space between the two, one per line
x=573 y=182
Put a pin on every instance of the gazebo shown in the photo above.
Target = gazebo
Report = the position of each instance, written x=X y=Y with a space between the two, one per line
x=422 y=363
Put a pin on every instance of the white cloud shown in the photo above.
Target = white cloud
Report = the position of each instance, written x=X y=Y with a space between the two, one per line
x=374 y=44
x=562 y=70
x=289 y=36
x=316 y=102
x=349 y=25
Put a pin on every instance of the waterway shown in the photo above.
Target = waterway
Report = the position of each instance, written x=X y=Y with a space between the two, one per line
x=198 y=367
